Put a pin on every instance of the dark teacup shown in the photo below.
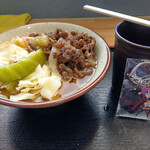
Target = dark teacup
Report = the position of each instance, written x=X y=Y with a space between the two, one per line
x=131 y=41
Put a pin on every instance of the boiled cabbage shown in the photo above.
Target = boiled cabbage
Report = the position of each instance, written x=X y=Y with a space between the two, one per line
x=11 y=53
x=40 y=82
x=53 y=62
x=50 y=86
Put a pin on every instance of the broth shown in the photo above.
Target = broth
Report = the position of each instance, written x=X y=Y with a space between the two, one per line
x=69 y=88
x=65 y=90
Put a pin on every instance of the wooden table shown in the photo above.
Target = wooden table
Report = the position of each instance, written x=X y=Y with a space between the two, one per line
x=103 y=26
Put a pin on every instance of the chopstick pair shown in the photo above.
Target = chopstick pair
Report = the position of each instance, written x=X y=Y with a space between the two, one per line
x=118 y=15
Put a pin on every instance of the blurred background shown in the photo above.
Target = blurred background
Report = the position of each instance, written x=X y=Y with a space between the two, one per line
x=72 y=8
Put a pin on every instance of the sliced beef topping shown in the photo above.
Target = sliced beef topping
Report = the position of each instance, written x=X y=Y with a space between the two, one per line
x=34 y=34
x=75 y=56
x=72 y=62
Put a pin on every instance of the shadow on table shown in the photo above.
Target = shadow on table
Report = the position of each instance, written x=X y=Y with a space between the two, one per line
x=69 y=126
x=112 y=103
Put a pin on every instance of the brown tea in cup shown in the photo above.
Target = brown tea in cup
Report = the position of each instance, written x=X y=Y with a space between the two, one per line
x=131 y=41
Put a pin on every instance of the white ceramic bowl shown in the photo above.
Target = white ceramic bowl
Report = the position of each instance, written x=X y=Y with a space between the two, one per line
x=102 y=52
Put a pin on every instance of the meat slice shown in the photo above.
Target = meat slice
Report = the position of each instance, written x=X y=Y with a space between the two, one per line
x=74 y=52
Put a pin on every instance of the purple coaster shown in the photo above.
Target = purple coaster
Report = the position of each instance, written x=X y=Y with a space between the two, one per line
x=134 y=99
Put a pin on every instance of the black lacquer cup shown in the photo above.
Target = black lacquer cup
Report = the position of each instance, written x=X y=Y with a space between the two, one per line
x=131 y=41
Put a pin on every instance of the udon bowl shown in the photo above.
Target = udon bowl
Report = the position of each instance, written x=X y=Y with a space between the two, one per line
x=102 y=52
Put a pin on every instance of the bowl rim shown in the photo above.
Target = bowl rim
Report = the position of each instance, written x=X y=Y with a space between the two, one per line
x=69 y=97
x=127 y=41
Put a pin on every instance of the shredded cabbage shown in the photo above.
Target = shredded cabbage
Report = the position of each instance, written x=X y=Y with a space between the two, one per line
x=11 y=53
x=50 y=86
x=41 y=83
x=10 y=86
x=23 y=96
x=38 y=83
x=53 y=62
x=17 y=53
x=20 y=41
